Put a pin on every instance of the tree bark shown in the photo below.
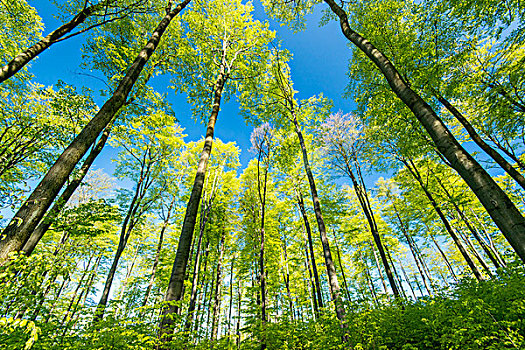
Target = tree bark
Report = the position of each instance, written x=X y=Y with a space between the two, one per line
x=499 y=206
x=217 y=293
x=157 y=253
x=60 y=204
x=330 y=266
x=27 y=55
x=411 y=245
x=174 y=291
x=29 y=215
x=362 y=196
x=195 y=276
x=318 y=299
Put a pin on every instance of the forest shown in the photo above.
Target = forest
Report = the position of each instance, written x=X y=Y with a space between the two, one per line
x=169 y=181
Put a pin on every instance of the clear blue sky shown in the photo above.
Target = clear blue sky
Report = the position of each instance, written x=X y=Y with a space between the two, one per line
x=320 y=58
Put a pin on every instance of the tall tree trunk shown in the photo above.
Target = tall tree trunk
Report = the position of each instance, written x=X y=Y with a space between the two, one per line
x=74 y=296
x=417 y=176
x=471 y=228
x=286 y=278
x=125 y=231
x=318 y=300
x=60 y=204
x=491 y=152
x=231 y=300
x=239 y=300
x=29 y=215
x=376 y=260
x=157 y=253
x=362 y=196
x=312 y=283
x=496 y=202
x=217 y=294
x=348 y=298
x=262 y=270
x=408 y=281
x=493 y=248
x=445 y=259
x=27 y=55
x=330 y=266
x=411 y=245
x=195 y=276
x=174 y=291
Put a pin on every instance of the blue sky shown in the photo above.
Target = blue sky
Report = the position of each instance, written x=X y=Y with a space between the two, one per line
x=319 y=65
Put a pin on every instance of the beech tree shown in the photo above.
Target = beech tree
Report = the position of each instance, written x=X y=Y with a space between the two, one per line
x=226 y=52
x=28 y=216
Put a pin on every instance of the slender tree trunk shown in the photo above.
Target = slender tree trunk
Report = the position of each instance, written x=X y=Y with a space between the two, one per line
x=445 y=259
x=27 y=55
x=348 y=298
x=195 y=276
x=79 y=285
x=318 y=300
x=157 y=254
x=312 y=283
x=496 y=202
x=408 y=281
x=60 y=204
x=491 y=152
x=471 y=228
x=415 y=173
x=204 y=287
x=493 y=248
x=239 y=300
x=362 y=195
x=412 y=248
x=127 y=226
x=231 y=300
x=370 y=283
x=29 y=215
x=330 y=266
x=286 y=278
x=262 y=270
x=174 y=291
x=376 y=260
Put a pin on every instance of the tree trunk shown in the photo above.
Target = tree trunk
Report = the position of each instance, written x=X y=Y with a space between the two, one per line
x=330 y=266
x=195 y=276
x=217 y=294
x=286 y=278
x=376 y=260
x=127 y=226
x=157 y=254
x=312 y=283
x=60 y=204
x=348 y=298
x=26 y=56
x=471 y=228
x=318 y=299
x=29 y=215
x=445 y=259
x=362 y=196
x=415 y=173
x=262 y=270
x=411 y=245
x=496 y=202
x=174 y=291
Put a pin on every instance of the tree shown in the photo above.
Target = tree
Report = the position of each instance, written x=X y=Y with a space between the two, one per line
x=341 y=141
x=225 y=51
x=29 y=215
